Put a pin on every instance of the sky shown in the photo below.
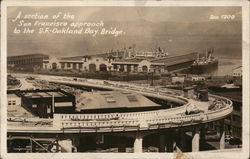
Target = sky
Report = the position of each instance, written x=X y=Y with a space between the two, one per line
x=144 y=26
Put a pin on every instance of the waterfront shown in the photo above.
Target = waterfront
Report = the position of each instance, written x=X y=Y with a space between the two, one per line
x=124 y=93
x=225 y=67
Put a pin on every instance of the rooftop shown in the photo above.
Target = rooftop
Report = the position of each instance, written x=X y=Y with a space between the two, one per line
x=29 y=55
x=12 y=95
x=83 y=56
x=113 y=99
x=237 y=67
x=44 y=93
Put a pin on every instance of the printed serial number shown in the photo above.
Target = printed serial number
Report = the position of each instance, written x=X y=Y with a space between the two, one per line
x=225 y=17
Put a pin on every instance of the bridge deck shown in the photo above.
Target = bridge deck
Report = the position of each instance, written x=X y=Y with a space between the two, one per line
x=147 y=120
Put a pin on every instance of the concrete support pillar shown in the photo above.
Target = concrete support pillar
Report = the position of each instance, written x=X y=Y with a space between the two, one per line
x=170 y=147
x=183 y=141
x=195 y=139
x=231 y=126
x=77 y=66
x=222 y=134
x=161 y=142
x=210 y=126
x=66 y=145
x=75 y=143
x=10 y=149
x=170 y=141
x=118 y=67
x=202 y=137
x=71 y=65
x=121 y=144
x=138 y=143
x=175 y=147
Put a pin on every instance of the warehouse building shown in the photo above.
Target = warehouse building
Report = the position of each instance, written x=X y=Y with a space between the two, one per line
x=27 y=62
x=44 y=103
x=13 y=99
x=114 y=101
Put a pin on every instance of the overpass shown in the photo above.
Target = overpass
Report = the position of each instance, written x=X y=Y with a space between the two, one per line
x=136 y=125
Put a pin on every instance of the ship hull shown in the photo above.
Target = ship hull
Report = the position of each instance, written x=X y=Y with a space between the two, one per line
x=204 y=68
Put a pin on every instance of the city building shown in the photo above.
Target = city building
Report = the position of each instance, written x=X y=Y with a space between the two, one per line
x=98 y=63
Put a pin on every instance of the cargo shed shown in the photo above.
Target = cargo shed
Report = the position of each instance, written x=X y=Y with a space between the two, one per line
x=44 y=103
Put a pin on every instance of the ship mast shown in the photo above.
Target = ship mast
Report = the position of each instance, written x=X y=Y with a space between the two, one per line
x=209 y=56
x=206 y=53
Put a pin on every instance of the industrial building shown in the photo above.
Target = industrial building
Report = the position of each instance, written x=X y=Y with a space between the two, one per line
x=13 y=99
x=43 y=103
x=115 y=101
x=27 y=62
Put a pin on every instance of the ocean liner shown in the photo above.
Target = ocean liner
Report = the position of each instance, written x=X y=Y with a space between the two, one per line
x=205 y=64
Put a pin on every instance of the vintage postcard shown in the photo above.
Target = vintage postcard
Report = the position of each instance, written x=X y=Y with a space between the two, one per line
x=125 y=79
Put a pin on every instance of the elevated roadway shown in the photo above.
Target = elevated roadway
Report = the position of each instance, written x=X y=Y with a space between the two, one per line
x=136 y=122
x=146 y=120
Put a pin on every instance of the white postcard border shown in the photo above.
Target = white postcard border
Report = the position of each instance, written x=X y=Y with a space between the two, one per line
x=245 y=53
